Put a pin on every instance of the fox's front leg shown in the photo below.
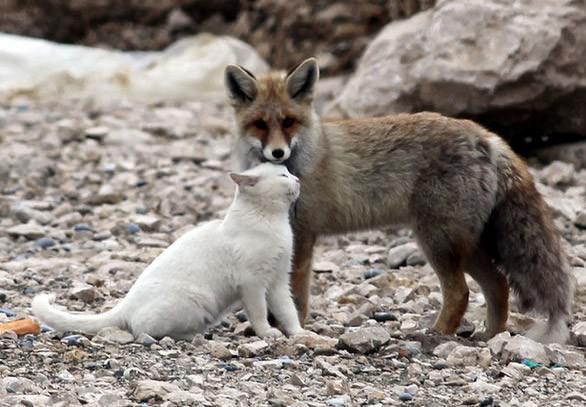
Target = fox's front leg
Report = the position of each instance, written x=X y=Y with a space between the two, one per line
x=301 y=276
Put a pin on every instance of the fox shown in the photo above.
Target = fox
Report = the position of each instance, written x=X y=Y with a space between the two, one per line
x=469 y=200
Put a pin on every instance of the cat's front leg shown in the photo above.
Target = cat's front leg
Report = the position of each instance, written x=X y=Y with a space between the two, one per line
x=282 y=306
x=255 y=305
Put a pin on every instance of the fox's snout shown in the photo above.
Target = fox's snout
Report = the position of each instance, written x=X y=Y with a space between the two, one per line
x=276 y=154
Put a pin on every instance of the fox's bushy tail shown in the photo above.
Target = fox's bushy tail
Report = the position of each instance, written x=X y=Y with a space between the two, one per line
x=64 y=321
x=526 y=244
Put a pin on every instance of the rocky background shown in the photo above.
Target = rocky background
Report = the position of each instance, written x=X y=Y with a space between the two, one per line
x=88 y=197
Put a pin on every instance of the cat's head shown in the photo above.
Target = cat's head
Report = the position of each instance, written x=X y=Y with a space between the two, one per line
x=268 y=181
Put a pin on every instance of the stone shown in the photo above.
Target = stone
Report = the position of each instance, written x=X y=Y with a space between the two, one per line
x=153 y=389
x=315 y=341
x=340 y=401
x=528 y=78
x=497 y=342
x=371 y=273
x=45 y=242
x=580 y=220
x=147 y=222
x=29 y=230
x=579 y=331
x=480 y=386
x=145 y=339
x=561 y=355
x=253 y=349
x=398 y=255
x=520 y=347
x=516 y=370
x=444 y=349
x=325 y=267
x=364 y=340
x=84 y=292
x=463 y=356
x=405 y=396
x=219 y=350
x=114 y=335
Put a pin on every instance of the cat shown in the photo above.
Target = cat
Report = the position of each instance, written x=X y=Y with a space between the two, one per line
x=244 y=258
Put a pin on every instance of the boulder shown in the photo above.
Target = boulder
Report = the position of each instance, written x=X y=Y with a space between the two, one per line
x=517 y=67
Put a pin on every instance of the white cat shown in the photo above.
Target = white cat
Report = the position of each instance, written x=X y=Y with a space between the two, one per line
x=190 y=286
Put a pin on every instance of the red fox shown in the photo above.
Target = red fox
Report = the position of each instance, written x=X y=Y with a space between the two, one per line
x=469 y=199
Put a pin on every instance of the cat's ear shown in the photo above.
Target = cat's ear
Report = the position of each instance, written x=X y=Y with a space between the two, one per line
x=301 y=79
x=240 y=84
x=244 y=180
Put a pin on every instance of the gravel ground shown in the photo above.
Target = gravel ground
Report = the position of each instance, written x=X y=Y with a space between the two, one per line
x=88 y=198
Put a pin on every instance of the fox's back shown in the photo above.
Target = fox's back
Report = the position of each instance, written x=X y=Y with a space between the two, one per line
x=382 y=160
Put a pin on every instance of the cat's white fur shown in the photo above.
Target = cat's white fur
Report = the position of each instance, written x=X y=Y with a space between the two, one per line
x=244 y=258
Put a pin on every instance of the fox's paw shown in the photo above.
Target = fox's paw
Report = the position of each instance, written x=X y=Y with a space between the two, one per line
x=270 y=333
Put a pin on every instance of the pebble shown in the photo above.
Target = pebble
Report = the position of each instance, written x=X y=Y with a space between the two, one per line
x=45 y=242
x=405 y=396
x=84 y=292
x=30 y=231
x=520 y=347
x=253 y=349
x=133 y=228
x=114 y=335
x=145 y=339
x=82 y=227
x=371 y=273
x=340 y=401
x=398 y=255
x=384 y=316
x=364 y=340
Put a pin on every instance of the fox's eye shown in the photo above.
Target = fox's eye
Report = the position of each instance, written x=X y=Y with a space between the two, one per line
x=260 y=124
x=284 y=175
x=288 y=122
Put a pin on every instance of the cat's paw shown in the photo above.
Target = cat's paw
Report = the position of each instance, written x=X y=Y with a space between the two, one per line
x=270 y=333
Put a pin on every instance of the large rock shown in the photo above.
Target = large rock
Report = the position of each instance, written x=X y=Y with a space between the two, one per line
x=516 y=64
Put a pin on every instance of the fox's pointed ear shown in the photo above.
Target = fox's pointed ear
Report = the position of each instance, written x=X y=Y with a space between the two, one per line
x=301 y=80
x=240 y=84
x=244 y=180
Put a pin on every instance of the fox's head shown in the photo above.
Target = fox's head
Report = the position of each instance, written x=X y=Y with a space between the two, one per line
x=274 y=111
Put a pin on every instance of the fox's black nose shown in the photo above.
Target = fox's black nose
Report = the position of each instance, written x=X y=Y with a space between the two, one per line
x=278 y=153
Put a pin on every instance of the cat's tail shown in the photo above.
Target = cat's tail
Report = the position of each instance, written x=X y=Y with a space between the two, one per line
x=64 y=321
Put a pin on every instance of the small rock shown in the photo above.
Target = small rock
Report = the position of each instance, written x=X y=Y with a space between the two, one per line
x=84 y=292
x=364 y=340
x=463 y=356
x=146 y=339
x=384 y=316
x=443 y=350
x=167 y=342
x=579 y=331
x=82 y=227
x=340 y=401
x=315 y=341
x=398 y=255
x=416 y=259
x=253 y=349
x=580 y=220
x=405 y=396
x=29 y=230
x=133 y=228
x=325 y=267
x=45 y=242
x=498 y=342
x=114 y=335
x=153 y=389
x=147 y=222
x=219 y=350
x=521 y=347
x=75 y=340
x=371 y=273
x=97 y=132
x=561 y=355
x=516 y=370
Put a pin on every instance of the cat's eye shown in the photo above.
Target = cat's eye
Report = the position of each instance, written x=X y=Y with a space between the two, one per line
x=288 y=122
x=260 y=124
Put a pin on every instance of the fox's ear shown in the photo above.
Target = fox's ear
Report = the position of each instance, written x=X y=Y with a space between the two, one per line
x=240 y=84
x=244 y=180
x=301 y=80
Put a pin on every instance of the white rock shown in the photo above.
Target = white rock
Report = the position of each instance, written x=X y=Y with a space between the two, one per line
x=152 y=389
x=114 y=335
x=252 y=349
x=520 y=347
x=398 y=255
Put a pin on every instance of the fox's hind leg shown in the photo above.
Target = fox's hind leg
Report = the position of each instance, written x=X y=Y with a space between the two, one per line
x=454 y=293
x=301 y=277
x=495 y=288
